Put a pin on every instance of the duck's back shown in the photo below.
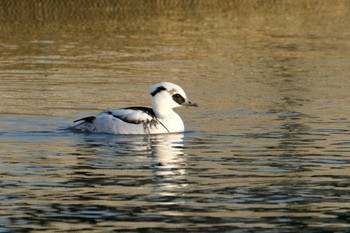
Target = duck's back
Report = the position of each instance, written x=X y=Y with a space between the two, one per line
x=132 y=120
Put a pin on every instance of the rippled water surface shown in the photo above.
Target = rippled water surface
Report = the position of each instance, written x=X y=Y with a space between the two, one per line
x=268 y=149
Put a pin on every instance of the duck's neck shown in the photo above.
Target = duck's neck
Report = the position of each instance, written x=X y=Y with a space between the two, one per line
x=169 y=119
x=162 y=112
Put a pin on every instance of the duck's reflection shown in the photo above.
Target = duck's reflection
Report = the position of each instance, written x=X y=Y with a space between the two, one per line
x=160 y=157
x=169 y=163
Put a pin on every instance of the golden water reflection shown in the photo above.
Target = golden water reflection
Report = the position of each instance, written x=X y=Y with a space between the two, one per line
x=267 y=149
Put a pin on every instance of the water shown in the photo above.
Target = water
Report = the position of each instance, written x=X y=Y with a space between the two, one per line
x=268 y=150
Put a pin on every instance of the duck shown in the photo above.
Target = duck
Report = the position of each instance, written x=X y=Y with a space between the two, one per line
x=159 y=119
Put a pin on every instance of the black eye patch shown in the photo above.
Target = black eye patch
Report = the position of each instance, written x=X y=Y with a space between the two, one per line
x=159 y=89
x=178 y=99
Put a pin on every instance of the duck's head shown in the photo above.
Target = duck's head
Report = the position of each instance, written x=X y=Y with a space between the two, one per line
x=169 y=95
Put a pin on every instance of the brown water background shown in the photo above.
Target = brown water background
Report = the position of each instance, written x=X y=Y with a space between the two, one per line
x=267 y=150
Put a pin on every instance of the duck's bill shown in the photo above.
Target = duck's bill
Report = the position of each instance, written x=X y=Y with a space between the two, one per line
x=189 y=103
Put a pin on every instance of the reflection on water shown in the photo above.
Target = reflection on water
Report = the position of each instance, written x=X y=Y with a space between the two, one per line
x=106 y=178
x=161 y=154
x=286 y=177
x=170 y=165
x=268 y=150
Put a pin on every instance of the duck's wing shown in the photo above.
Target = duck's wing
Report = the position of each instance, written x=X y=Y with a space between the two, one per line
x=89 y=119
x=133 y=115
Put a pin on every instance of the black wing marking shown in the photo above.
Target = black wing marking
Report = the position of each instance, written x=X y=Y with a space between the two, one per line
x=128 y=117
x=89 y=119
x=147 y=123
x=149 y=111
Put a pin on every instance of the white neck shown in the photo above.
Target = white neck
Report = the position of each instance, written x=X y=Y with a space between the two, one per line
x=162 y=112
x=169 y=118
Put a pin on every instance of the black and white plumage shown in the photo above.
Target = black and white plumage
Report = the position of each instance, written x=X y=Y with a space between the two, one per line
x=161 y=118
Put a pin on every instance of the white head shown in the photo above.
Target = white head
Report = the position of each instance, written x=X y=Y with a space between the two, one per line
x=168 y=95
